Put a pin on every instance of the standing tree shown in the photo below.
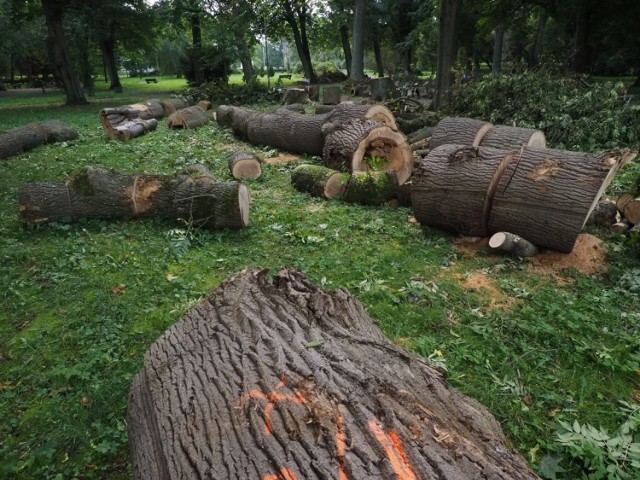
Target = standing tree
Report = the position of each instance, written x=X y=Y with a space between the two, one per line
x=297 y=14
x=357 y=60
x=447 y=48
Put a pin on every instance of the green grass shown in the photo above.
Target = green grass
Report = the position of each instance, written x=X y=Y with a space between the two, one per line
x=72 y=337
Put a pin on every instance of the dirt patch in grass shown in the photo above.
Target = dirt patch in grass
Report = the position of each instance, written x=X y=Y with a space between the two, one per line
x=487 y=288
x=588 y=257
x=469 y=246
x=282 y=159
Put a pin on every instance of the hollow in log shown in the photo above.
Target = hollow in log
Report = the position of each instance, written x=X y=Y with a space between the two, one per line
x=459 y=131
x=245 y=165
x=98 y=193
x=319 y=181
x=512 y=244
x=364 y=145
x=375 y=187
x=190 y=117
x=453 y=187
x=280 y=379
x=501 y=136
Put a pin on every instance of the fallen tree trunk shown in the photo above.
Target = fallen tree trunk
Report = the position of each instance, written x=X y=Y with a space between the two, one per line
x=173 y=104
x=124 y=123
x=190 y=117
x=299 y=383
x=21 y=139
x=245 y=165
x=546 y=196
x=363 y=145
x=459 y=131
x=506 y=137
x=372 y=188
x=512 y=244
x=453 y=187
x=319 y=181
x=100 y=193
x=424 y=132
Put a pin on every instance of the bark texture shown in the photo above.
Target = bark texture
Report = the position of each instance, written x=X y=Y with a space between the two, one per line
x=99 y=193
x=330 y=95
x=245 y=165
x=124 y=123
x=447 y=49
x=319 y=181
x=512 y=244
x=173 y=104
x=453 y=187
x=284 y=380
x=459 y=131
x=501 y=136
x=190 y=117
x=372 y=188
x=632 y=211
x=295 y=95
x=21 y=139
x=381 y=88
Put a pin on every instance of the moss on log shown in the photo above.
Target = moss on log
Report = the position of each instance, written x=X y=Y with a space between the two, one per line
x=319 y=181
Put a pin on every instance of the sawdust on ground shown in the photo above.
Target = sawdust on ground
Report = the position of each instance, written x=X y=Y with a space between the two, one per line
x=282 y=159
x=487 y=288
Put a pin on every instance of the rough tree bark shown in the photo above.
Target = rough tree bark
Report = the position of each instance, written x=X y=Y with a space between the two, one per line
x=295 y=14
x=447 y=49
x=357 y=59
x=99 y=193
x=459 y=131
x=537 y=48
x=20 y=139
x=283 y=380
x=346 y=47
x=125 y=123
x=498 y=43
x=501 y=136
x=319 y=181
x=108 y=48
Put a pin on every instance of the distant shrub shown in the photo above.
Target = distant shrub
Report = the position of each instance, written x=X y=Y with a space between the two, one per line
x=219 y=92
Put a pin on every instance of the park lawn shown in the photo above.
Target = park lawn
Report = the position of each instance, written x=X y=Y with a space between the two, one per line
x=82 y=303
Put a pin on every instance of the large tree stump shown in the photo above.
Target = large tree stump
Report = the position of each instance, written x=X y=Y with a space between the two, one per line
x=99 y=193
x=459 y=131
x=285 y=380
x=190 y=117
x=319 y=181
x=506 y=137
x=330 y=94
x=546 y=196
x=245 y=165
x=295 y=95
x=381 y=88
x=124 y=123
x=362 y=145
x=453 y=187
x=21 y=139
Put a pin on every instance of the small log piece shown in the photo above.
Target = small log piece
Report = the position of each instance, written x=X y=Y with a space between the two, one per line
x=295 y=95
x=500 y=136
x=245 y=165
x=459 y=131
x=319 y=181
x=375 y=187
x=623 y=199
x=604 y=214
x=204 y=105
x=512 y=244
x=622 y=226
x=190 y=117
x=330 y=94
x=631 y=211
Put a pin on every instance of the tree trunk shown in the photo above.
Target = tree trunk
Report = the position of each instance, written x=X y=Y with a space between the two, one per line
x=330 y=94
x=377 y=53
x=501 y=136
x=284 y=380
x=512 y=244
x=319 y=181
x=537 y=49
x=362 y=145
x=381 y=88
x=447 y=49
x=108 y=47
x=498 y=45
x=375 y=187
x=346 y=47
x=20 y=139
x=172 y=105
x=63 y=66
x=453 y=187
x=245 y=56
x=459 y=131
x=357 y=61
x=297 y=20
x=580 y=62
x=546 y=196
x=100 y=193
x=125 y=123
x=245 y=165
x=190 y=117
x=196 y=35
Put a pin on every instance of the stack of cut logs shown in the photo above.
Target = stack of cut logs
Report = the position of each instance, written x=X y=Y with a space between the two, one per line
x=620 y=216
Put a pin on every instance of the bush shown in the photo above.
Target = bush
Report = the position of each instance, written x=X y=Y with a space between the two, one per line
x=219 y=92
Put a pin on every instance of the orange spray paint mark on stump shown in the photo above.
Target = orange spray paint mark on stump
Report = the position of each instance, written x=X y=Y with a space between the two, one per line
x=394 y=451
x=283 y=474
x=341 y=449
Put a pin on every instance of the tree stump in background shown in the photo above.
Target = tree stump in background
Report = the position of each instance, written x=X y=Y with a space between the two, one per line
x=330 y=94
x=283 y=380
x=459 y=131
x=295 y=95
x=381 y=88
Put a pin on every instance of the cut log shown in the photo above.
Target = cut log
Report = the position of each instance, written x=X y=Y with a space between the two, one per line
x=407 y=126
x=453 y=187
x=323 y=108
x=372 y=188
x=245 y=165
x=284 y=380
x=364 y=145
x=604 y=214
x=459 y=131
x=421 y=144
x=631 y=211
x=21 y=139
x=295 y=95
x=381 y=88
x=173 y=104
x=190 y=117
x=149 y=109
x=204 y=105
x=330 y=94
x=99 y=193
x=319 y=181
x=620 y=227
x=293 y=107
x=512 y=244
x=124 y=123
x=623 y=199
x=546 y=196
x=507 y=137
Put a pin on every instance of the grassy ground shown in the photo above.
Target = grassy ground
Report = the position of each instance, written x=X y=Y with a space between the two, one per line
x=82 y=303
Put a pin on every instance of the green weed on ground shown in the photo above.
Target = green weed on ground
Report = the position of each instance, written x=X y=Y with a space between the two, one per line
x=82 y=303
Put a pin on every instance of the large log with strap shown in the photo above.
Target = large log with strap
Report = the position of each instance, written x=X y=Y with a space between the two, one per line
x=99 y=193
x=280 y=379
x=21 y=139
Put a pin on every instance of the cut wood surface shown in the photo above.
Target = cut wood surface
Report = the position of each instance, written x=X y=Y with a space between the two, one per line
x=362 y=145
x=631 y=211
x=21 y=139
x=372 y=188
x=171 y=105
x=99 y=193
x=512 y=244
x=190 y=117
x=459 y=131
x=124 y=123
x=622 y=226
x=501 y=136
x=623 y=199
x=453 y=186
x=319 y=181
x=330 y=94
x=245 y=165
x=280 y=379
x=546 y=196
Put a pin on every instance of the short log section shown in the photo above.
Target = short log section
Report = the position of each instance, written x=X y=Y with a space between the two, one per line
x=190 y=117
x=99 y=193
x=172 y=105
x=319 y=181
x=375 y=187
x=502 y=136
x=284 y=380
x=21 y=139
x=512 y=244
x=459 y=131
x=124 y=123
x=245 y=165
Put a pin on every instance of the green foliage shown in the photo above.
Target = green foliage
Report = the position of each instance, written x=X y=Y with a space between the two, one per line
x=219 y=92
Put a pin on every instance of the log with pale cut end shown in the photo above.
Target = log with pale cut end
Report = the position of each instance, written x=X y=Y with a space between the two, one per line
x=245 y=165
x=512 y=244
x=453 y=187
x=546 y=196
x=100 y=193
x=295 y=95
x=604 y=214
x=204 y=105
x=148 y=109
x=620 y=227
x=280 y=379
x=375 y=187
x=21 y=139
x=330 y=94
x=459 y=131
x=124 y=123
x=631 y=211
x=363 y=145
x=623 y=199
x=190 y=117
x=319 y=181
x=502 y=136
x=173 y=104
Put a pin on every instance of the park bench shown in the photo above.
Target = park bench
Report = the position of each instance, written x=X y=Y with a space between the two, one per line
x=151 y=80
x=285 y=75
